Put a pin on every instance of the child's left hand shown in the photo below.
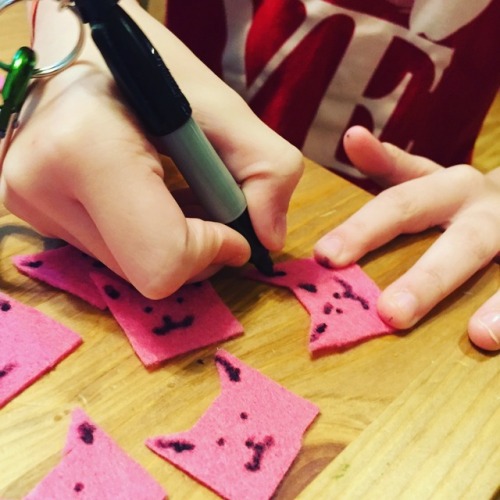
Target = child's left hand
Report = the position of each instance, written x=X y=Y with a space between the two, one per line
x=460 y=199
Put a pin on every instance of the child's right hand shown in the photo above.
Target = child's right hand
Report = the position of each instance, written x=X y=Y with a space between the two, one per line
x=80 y=169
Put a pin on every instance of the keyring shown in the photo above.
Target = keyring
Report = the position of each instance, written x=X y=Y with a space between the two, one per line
x=68 y=59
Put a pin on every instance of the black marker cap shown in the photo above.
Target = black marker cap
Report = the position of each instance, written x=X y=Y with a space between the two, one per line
x=136 y=66
x=92 y=11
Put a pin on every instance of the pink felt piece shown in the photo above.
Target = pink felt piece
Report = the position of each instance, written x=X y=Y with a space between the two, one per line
x=159 y=330
x=31 y=344
x=341 y=302
x=95 y=467
x=65 y=268
x=246 y=441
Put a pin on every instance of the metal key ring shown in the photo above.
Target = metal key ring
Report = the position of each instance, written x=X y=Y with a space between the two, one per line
x=59 y=66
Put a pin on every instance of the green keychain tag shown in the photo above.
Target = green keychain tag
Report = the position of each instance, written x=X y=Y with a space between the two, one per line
x=15 y=88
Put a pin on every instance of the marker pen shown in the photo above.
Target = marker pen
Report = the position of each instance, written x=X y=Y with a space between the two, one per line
x=165 y=113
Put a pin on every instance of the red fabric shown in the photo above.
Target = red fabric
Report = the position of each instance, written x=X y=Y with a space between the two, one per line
x=420 y=74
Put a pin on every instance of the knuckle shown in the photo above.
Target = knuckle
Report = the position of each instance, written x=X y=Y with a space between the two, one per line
x=466 y=175
x=398 y=200
x=292 y=164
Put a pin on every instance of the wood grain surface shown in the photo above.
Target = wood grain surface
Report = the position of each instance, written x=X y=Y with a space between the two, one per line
x=413 y=415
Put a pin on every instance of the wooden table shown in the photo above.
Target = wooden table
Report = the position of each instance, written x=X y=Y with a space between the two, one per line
x=403 y=416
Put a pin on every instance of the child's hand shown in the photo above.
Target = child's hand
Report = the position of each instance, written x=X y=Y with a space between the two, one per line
x=80 y=169
x=460 y=199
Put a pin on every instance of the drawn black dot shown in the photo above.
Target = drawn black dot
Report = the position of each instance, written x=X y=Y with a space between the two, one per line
x=338 y=310
x=221 y=441
x=179 y=300
x=148 y=309
x=35 y=263
x=86 y=432
x=327 y=308
x=243 y=415
x=111 y=292
x=7 y=369
x=321 y=328
x=308 y=287
x=233 y=372
x=325 y=262
x=337 y=295
x=5 y=306
x=277 y=273
x=78 y=487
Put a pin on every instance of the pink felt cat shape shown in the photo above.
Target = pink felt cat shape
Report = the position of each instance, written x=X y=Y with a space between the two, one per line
x=65 y=268
x=341 y=302
x=247 y=439
x=31 y=344
x=159 y=330
x=95 y=467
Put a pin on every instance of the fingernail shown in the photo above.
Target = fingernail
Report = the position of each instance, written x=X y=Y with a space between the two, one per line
x=491 y=323
x=406 y=303
x=332 y=248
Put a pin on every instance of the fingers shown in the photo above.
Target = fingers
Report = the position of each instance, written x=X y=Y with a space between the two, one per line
x=484 y=326
x=408 y=208
x=267 y=167
x=463 y=249
x=157 y=248
x=384 y=163
x=105 y=194
x=456 y=198
x=268 y=192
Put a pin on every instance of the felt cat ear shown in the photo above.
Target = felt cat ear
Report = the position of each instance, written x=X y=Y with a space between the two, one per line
x=341 y=302
x=94 y=466
x=31 y=344
x=247 y=439
x=65 y=268
x=158 y=330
